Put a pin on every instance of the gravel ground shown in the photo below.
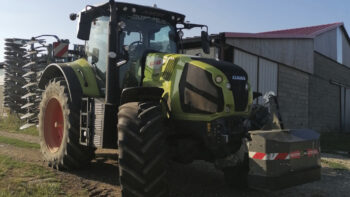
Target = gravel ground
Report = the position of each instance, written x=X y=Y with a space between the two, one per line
x=200 y=179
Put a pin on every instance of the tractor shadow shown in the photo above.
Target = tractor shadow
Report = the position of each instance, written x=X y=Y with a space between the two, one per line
x=104 y=168
x=197 y=179
x=201 y=179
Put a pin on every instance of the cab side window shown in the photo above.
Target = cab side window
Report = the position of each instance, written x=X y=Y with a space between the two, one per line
x=97 y=47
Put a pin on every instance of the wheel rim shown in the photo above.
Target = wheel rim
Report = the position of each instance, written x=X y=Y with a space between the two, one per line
x=53 y=125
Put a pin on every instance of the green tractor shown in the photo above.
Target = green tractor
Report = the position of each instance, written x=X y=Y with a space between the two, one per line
x=134 y=92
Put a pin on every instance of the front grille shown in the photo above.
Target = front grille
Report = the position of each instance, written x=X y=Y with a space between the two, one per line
x=240 y=94
x=238 y=87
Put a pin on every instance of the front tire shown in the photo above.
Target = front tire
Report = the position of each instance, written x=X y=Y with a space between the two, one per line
x=59 y=129
x=236 y=176
x=142 y=162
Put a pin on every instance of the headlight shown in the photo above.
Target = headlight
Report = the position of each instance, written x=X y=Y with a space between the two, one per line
x=246 y=86
x=218 y=79
x=228 y=86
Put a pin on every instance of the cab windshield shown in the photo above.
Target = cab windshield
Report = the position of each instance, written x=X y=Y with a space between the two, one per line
x=138 y=35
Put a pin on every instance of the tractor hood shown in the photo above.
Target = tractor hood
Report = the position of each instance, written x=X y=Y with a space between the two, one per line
x=199 y=88
x=237 y=77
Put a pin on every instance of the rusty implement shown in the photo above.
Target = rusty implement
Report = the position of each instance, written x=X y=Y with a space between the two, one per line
x=283 y=158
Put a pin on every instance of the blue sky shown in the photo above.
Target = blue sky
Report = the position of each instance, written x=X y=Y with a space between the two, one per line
x=27 y=18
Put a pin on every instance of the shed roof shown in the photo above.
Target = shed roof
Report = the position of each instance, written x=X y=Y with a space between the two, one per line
x=303 y=32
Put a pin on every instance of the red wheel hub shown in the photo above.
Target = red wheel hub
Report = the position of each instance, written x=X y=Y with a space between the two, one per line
x=53 y=125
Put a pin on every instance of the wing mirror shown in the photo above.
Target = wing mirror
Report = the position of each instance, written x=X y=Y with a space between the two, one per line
x=84 y=26
x=205 y=42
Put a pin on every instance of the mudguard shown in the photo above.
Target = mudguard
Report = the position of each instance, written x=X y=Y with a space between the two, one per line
x=56 y=70
x=87 y=77
x=79 y=76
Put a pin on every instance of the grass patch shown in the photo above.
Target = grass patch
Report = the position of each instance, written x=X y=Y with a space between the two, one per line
x=334 y=165
x=12 y=123
x=23 y=179
x=30 y=131
x=335 y=141
x=20 y=179
x=18 y=143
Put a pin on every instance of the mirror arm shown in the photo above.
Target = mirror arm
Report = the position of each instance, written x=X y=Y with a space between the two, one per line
x=192 y=25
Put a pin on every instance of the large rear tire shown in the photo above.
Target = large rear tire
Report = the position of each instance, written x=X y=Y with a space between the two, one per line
x=142 y=153
x=59 y=129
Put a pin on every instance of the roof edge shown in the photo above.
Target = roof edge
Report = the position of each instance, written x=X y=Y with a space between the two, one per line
x=270 y=36
x=276 y=35
x=334 y=26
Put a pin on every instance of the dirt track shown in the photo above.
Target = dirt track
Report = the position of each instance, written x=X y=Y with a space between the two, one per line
x=198 y=179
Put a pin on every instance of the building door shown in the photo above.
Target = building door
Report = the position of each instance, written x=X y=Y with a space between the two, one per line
x=345 y=108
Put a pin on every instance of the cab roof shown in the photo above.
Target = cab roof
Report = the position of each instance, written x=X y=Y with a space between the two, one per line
x=130 y=9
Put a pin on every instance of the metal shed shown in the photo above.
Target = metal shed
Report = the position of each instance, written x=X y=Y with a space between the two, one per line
x=308 y=68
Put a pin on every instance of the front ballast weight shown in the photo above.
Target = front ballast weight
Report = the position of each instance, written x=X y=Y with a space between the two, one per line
x=278 y=157
x=283 y=158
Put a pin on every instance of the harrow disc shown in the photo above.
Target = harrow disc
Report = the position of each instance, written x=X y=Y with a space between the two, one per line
x=14 y=50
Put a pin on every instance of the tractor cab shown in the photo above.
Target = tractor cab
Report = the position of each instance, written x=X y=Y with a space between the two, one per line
x=126 y=36
x=137 y=36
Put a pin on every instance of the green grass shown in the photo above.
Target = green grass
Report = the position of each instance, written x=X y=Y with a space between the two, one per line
x=334 y=165
x=18 y=143
x=12 y=123
x=335 y=141
x=23 y=179
x=20 y=179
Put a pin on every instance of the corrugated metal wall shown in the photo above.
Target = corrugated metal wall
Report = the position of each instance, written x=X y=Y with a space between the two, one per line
x=262 y=73
x=334 y=45
x=326 y=44
x=267 y=77
x=297 y=53
x=250 y=64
